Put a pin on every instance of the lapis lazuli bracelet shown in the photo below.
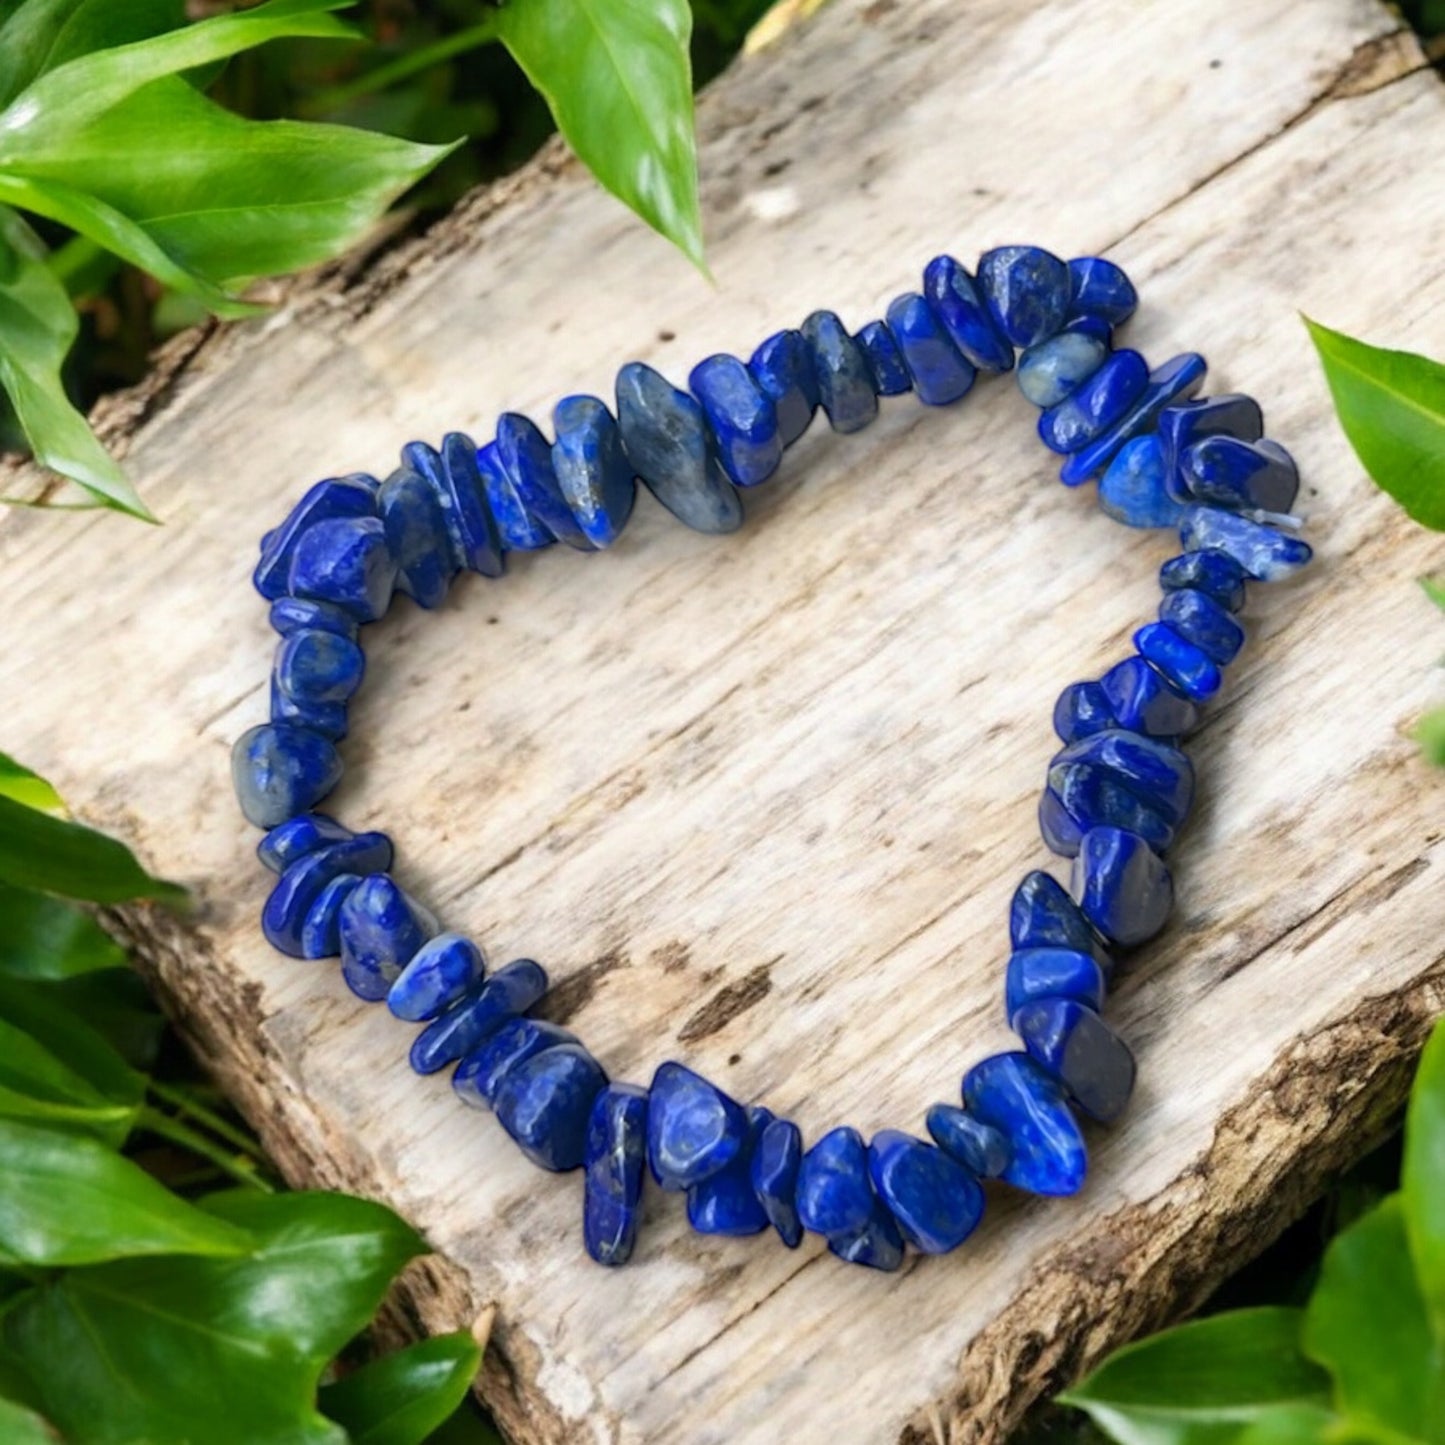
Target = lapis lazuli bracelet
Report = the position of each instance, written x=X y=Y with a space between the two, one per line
x=1116 y=794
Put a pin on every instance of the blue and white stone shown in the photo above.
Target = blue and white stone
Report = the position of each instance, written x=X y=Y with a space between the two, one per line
x=592 y=469
x=1071 y=1042
x=726 y=1203
x=545 y=1104
x=382 y=926
x=835 y=1196
x=517 y=528
x=1122 y=886
x=302 y=614
x=1027 y=1106
x=1143 y=700
x=1132 y=488
x=776 y=1159
x=1185 y=667
x=1201 y=620
x=299 y=836
x=1026 y=290
x=1082 y=710
x=287 y=910
x=329 y=719
x=439 y=973
x=1043 y=915
x=1051 y=369
x=345 y=562
x=319 y=667
x=1216 y=574
x=940 y=372
x=783 y=369
x=1035 y=973
x=694 y=1130
x=488 y=1002
x=1092 y=408
x=476 y=544
x=979 y=1147
x=959 y=304
x=417 y=536
x=279 y=770
x=321 y=933
x=667 y=442
x=614 y=1153
x=1223 y=471
x=933 y=1199
x=890 y=372
x=525 y=456
x=845 y=383
x=1100 y=288
x=335 y=499
x=481 y=1071
x=1263 y=552
x=742 y=419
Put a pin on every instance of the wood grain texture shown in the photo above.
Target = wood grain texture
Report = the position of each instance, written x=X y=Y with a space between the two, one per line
x=760 y=802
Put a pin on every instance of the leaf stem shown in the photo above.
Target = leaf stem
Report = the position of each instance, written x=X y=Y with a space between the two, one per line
x=185 y=1102
x=242 y=1170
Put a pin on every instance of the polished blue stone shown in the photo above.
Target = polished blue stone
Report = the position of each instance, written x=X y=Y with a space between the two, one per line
x=545 y=1104
x=1100 y=288
x=453 y=472
x=1083 y=798
x=1042 y=915
x=979 y=1147
x=1132 y=488
x=1026 y=290
x=525 y=456
x=878 y=1244
x=939 y=370
x=1185 y=667
x=1086 y=325
x=1035 y=973
x=1122 y=886
x=933 y=1199
x=783 y=367
x=301 y=614
x=1181 y=376
x=1082 y=709
x=334 y=499
x=834 y=1194
x=417 y=535
x=742 y=419
x=330 y=719
x=319 y=667
x=297 y=837
x=1144 y=702
x=1223 y=471
x=283 y=919
x=1155 y=770
x=1216 y=574
x=485 y=1065
x=1027 y=1106
x=517 y=529
x=885 y=361
x=845 y=384
x=438 y=975
x=614 y=1153
x=725 y=1202
x=321 y=933
x=1263 y=552
x=486 y=1004
x=693 y=1128
x=280 y=770
x=666 y=439
x=345 y=562
x=1053 y=368
x=1182 y=425
x=1096 y=405
x=774 y=1169
x=1091 y=1061
x=592 y=469
x=381 y=928
x=1199 y=619
x=959 y=304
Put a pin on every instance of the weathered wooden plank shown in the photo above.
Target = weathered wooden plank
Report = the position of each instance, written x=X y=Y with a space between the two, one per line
x=805 y=759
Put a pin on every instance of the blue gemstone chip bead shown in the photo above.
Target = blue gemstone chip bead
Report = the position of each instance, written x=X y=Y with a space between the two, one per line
x=381 y=927
x=1132 y=489
x=298 y=837
x=741 y=417
x=1187 y=668
x=1014 y=1095
x=439 y=973
x=1223 y=471
x=517 y=529
x=456 y=477
x=979 y=1147
x=1027 y=291
x=321 y=932
x=1100 y=288
x=1072 y=1043
x=958 y=303
x=1122 y=885
x=666 y=440
x=592 y=469
x=487 y=1003
x=345 y=562
x=1095 y=405
x=777 y=1157
x=1216 y=574
x=545 y=1104
x=614 y=1153
x=693 y=1128
x=1035 y=973
x=1082 y=709
x=891 y=376
x=1180 y=426
x=480 y=1073
x=783 y=369
x=845 y=383
x=301 y=614
x=525 y=455
x=726 y=1202
x=1199 y=619
x=878 y=1244
x=834 y=1194
x=1143 y=700
x=940 y=372
x=279 y=770
x=1049 y=370
x=319 y=667
x=1043 y=915
x=934 y=1200
x=1263 y=552
x=291 y=911
x=417 y=537
x=337 y=498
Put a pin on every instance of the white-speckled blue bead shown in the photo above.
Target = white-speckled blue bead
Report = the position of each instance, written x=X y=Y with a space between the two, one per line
x=438 y=974
x=1049 y=371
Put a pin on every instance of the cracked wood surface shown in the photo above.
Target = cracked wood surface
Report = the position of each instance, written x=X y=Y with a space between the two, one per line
x=760 y=802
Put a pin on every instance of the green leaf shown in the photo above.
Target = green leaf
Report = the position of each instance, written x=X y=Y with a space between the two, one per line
x=618 y=78
x=1392 y=407
x=41 y=34
x=222 y=197
x=401 y=1398
x=1434 y=589
x=18 y=782
x=228 y=1352
x=1291 y=1425
x=1422 y=1178
x=1366 y=1323
x=1430 y=734
x=56 y=856
x=67 y=1199
x=116 y=1004
x=1201 y=1382
x=19 y=1426
x=42 y=937
x=37 y=1086
x=37 y=326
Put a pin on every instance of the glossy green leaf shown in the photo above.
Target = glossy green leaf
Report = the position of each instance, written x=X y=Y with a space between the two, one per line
x=1391 y=405
x=401 y=1398
x=67 y=1199
x=234 y=198
x=19 y=1426
x=1291 y=1425
x=1422 y=1179
x=37 y=326
x=1366 y=1323
x=618 y=78
x=117 y=1006
x=38 y=35
x=1200 y=1383
x=227 y=1352
x=1430 y=734
x=38 y=1087
x=56 y=856
x=18 y=782
x=41 y=937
